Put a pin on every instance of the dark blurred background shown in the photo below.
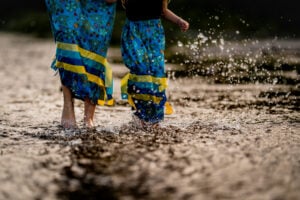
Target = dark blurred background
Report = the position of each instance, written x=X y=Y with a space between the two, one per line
x=231 y=19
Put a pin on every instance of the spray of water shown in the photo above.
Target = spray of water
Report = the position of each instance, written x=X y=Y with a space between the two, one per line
x=220 y=60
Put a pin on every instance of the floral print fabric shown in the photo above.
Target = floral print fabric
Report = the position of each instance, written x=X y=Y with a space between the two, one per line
x=82 y=31
x=143 y=44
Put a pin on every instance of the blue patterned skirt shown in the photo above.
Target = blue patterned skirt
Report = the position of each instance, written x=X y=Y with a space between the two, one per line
x=82 y=31
x=143 y=45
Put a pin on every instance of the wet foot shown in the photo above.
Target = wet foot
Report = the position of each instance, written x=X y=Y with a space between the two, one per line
x=68 y=120
x=89 y=111
x=88 y=123
x=68 y=124
x=68 y=117
x=143 y=125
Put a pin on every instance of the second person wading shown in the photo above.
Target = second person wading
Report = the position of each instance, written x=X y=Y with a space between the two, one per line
x=143 y=45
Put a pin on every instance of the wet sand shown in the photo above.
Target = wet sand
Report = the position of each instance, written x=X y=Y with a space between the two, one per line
x=224 y=141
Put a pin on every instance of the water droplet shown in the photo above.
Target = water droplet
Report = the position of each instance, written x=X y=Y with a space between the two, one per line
x=179 y=44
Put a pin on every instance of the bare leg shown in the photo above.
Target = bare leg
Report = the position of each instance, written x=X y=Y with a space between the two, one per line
x=68 y=115
x=89 y=111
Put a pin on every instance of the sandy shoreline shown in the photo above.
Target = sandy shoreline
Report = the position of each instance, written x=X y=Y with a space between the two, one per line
x=223 y=142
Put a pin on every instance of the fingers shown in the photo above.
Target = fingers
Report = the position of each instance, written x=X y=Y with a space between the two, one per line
x=184 y=25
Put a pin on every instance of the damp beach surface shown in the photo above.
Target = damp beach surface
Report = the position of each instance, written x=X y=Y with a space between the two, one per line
x=238 y=140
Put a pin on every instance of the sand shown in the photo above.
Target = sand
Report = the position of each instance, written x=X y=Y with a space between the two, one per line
x=224 y=141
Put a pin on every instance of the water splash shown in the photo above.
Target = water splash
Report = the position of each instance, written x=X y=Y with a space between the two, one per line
x=221 y=60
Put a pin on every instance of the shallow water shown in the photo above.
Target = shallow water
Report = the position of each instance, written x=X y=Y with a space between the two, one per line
x=224 y=141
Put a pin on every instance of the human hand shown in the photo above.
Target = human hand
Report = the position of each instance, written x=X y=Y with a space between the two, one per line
x=183 y=25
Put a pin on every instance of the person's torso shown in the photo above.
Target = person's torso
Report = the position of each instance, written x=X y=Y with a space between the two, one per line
x=143 y=10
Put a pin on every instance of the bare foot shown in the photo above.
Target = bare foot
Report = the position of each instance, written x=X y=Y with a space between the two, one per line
x=141 y=124
x=89 y=111
x=68 y=115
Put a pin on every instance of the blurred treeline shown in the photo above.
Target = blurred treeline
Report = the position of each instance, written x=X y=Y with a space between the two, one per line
x=230 y=19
